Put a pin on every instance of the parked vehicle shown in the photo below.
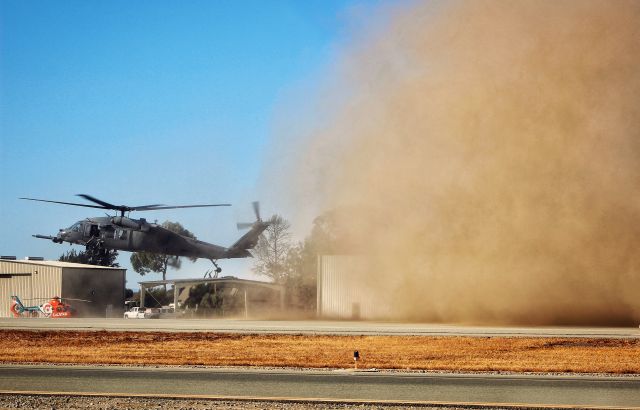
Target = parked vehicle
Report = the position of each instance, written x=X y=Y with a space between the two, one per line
x=128 y=304
x=168 y=312
x=135 y=313
x=152 y=313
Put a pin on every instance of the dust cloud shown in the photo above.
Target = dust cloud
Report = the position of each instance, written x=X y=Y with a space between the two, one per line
x=492 y=150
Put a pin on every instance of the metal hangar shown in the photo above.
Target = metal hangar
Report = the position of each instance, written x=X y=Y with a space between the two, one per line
x=102 y=288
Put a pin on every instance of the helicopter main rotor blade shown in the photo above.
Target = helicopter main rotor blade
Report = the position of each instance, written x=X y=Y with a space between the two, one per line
x=107 y=205
x=122 y=208
x=144 y=207
x=153 y=207
x=37 y=299
x=104 y=204
x=64 y=203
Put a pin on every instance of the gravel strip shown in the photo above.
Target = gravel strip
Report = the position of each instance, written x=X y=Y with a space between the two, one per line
x=14 y=401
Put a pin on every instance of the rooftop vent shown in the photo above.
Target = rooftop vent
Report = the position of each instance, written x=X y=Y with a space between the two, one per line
x=8 y=258
x=34 y=258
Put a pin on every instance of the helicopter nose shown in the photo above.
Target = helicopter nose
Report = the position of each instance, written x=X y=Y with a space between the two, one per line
x=60 y=236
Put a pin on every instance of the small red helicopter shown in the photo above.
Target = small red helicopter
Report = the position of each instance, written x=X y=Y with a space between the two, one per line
x=56 y=307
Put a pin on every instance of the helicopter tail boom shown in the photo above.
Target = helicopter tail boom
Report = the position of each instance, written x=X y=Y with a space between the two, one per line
x=240 y=249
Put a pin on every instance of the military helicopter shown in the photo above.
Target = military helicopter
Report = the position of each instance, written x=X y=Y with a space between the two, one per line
x=137 y=235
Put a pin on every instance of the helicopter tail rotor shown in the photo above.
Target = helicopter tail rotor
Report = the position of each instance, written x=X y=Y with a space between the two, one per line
x=256 y=211
x=240 y=249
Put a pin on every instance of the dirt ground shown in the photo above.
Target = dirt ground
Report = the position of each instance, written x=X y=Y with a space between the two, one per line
x=579 y=355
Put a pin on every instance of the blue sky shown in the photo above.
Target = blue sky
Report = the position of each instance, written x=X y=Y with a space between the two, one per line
x=148 y=102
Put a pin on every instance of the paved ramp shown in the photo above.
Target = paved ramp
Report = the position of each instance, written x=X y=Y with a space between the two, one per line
x=328 y=385
x=313 y=327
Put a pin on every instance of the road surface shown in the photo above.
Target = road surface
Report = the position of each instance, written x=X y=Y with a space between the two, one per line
x=312 y=327
x=332 y=385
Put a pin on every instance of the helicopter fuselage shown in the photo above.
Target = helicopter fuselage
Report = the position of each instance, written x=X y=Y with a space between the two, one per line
x=138 y=235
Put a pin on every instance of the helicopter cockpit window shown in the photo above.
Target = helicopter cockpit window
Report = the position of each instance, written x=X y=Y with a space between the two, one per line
x=75 y=227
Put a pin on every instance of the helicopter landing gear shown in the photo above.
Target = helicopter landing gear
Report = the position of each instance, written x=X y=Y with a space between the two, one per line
x=95 y=245
x=217 y=270
x=95 y=248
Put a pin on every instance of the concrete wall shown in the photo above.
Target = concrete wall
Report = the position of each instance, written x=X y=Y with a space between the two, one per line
x=344 y=291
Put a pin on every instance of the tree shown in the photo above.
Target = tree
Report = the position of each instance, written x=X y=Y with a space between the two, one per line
x=146 y=262
x=295 y=265
x=328 y=236
x=92 y=256
x=217 y=300
x=158 y=297
x=272 y=249
x=302 y=259
x=204 y=296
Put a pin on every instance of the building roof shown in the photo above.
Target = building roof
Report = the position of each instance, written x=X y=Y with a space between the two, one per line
x=59 y=264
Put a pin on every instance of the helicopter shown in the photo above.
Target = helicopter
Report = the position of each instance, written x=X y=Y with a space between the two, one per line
x=123 y=233
x=55 y=307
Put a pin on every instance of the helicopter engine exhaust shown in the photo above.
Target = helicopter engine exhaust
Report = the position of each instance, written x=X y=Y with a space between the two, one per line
x=130 y=223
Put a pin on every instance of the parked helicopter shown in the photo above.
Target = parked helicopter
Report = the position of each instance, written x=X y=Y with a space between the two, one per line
x=55 y=307
x=137 y=235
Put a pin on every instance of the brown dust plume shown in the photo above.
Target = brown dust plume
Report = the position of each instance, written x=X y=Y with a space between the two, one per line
x=492 y=149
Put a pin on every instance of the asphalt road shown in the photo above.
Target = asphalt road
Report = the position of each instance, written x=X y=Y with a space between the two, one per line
x=336 y=385
x=312 y=327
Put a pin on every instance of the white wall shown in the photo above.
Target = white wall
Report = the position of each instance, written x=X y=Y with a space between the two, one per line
x=344 y=290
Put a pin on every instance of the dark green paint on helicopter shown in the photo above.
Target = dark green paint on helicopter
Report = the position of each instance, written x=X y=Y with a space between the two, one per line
x=137 y=235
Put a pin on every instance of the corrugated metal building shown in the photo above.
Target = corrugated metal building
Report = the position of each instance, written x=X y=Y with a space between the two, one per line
x=343 y=290
x=31 y=280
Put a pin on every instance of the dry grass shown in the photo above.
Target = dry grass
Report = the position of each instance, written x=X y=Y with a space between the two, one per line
x=616 y=356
